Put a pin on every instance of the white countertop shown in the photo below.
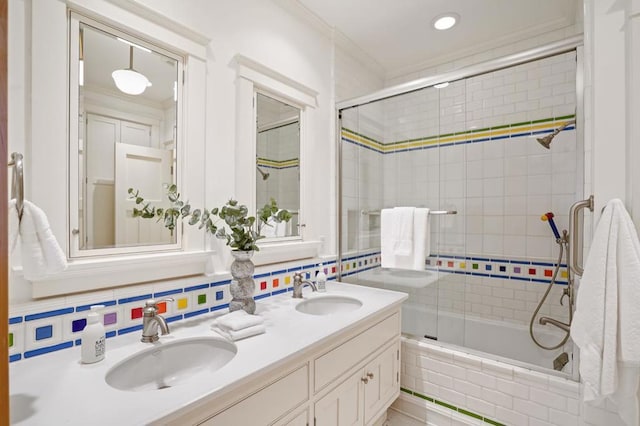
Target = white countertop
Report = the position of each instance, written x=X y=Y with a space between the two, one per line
x=56 y=389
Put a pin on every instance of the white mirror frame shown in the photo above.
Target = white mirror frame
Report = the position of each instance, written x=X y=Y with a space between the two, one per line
x=75 y=250
x=254 y=77
x=48 y=167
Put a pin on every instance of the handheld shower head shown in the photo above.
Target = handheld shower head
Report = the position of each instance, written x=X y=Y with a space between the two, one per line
x=546 y=140
x=264 y=175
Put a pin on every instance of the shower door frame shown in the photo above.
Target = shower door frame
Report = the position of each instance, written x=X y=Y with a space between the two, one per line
x=575 y=43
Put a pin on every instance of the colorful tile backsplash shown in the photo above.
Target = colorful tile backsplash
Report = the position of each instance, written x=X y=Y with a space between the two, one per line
x=44 y=332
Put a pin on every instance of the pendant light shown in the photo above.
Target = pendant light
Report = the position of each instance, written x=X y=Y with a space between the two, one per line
x=129 y=80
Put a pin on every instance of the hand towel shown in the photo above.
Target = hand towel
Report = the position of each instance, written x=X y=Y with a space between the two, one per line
x=240 y=334
x=14 y=225
x=420 y=247
x=274 y=229
x=237 y=320
x=402 y=225
x=606 y=325
x=41 y=254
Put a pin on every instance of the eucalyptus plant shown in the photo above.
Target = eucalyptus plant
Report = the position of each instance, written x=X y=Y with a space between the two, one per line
x=242 y=231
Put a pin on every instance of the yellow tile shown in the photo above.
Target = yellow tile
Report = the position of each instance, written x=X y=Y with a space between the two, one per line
x=287 y=280
x=563 y=274
x=463 y=265
x=183 y=303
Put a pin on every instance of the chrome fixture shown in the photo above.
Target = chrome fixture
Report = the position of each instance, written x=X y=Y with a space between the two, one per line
x=574 y=223
x=265 y=175
x=17 y=184
x=151 y=321
x=559 y=324
x=546 y=141
x=298 y=284
x=433 y=212
x=560 y=361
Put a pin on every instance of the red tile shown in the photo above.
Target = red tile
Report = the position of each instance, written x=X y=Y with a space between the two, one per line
x=439 y=262
x=263 y=285
x=276 y=282
x=548 y=273
x=136 y=313
x=162 y=307
x=532 y=271
x=450 y=264
x=333 y=269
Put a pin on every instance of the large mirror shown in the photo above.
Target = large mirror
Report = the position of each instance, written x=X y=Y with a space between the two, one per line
x=278 y=161
x=127 y=100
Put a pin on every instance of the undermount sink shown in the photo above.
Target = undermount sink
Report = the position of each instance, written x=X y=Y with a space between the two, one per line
x=324 y=305
x=169 y=364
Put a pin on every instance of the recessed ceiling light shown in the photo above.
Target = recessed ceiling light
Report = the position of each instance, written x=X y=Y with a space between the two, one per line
x=445 y=21
x=441 y=85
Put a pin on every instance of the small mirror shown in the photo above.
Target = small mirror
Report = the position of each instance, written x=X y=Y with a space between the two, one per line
x=278 y=161
x=127 y=131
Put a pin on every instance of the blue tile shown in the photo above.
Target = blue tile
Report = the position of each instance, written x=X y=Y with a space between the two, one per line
x=280 y=271
x=78 y=325
x=109 y=334
x=48 y=349
x=129 y=329
x=48 y=314
x=273 y=293
x=196 y=287
x=196 y=313
x=14 y=358
x=297 y=268
x=503 y=269
x=174 y=318
x=219 y=295
x=134 y=299
x=167 y=293
x=15 y=320
x=78 y=342
x=219 y=283
x=261 y=275
x=487 y=267
x=217 y=308
x=44 y=332
x=82 y=308
x=261 y=296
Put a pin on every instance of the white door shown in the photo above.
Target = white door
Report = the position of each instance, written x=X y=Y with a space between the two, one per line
x=343 y=405
x=135 y=133
x=383 y=382
x=147 y=170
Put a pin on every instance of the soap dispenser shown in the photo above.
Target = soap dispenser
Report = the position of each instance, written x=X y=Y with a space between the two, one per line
x=321 y=281
x=93 y=337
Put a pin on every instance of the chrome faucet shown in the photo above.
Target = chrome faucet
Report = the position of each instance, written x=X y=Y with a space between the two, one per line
x=298 y=284
x=151 y=320
x=559 y=324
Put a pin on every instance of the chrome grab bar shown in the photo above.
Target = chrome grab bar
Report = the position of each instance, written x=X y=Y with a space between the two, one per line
x=434 y=212
x=17 y=184
x=575 y=251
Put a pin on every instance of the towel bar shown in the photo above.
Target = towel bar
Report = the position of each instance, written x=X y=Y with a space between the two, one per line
x=17 y=184
x=575 y=248
x=434 y=212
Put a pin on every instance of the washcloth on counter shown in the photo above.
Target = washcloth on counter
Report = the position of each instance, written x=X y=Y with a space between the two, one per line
x=41 y=254
x=606 y=325
x=420 y=245
x=238 y=325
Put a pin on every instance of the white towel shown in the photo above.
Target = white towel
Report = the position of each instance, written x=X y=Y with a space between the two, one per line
x=41 y=254
x=402 y=225
x=420 y=248
x=240 y=334
x=14 y=225
x=606 y=325
x=237 y=320
x=273 y=229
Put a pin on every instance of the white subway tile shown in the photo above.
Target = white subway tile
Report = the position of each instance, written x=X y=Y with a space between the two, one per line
x=549 y=399
x=512 y=388
x=510 y=417
x=498 y=398
x=452 y=397
x=481 y=407
x=481 y=379
x=562 y=418
x=531 y=409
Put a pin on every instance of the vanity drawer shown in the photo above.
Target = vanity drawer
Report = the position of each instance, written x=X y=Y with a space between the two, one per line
x=338 y=361
x=269 y=403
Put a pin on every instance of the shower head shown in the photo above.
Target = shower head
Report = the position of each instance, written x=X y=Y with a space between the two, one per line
x=546 y=141
x=265 y=175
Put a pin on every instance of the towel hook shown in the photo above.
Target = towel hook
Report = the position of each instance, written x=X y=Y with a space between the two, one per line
x=17 y=184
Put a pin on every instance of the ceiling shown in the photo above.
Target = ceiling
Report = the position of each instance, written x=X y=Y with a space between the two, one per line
x=399 y=36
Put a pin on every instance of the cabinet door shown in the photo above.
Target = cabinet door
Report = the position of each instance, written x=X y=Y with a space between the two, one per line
x=383 y=382
x=300 y=419
x=343 y=405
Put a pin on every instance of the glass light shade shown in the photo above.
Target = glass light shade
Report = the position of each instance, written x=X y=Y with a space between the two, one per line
x=444 y=22
x=130 y=81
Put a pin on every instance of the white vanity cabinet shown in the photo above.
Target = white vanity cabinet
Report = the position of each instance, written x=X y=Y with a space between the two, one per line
x=350 y=379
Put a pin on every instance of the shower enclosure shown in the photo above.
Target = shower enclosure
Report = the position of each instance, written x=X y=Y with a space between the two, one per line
x=470 y=147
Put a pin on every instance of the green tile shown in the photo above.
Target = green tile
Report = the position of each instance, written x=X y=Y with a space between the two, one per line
x=566 y=117
x=505 y=126
x=470 y=414
x=423 y=396
x=493 y=422
x=202 y=299
x=522 y=123
x=444 y=404
x=10 y=339
x=406 y=391
x=474 y=266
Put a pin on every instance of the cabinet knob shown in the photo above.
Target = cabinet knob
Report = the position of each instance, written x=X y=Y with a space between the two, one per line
x=370 y=375
x=365 y=380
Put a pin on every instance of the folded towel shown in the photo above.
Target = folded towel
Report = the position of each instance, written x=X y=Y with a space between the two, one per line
x=402 y=226
x=41 y=254
x=240 y=334
x=606 y=325
x=420 y=247
x=237 y=320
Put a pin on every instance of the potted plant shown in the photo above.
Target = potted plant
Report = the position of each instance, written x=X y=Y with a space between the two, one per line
x=241 y=233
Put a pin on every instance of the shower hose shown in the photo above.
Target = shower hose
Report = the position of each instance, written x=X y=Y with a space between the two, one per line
x=562 y=242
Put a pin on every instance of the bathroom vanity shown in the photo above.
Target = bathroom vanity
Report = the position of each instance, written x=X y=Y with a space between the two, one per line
x=324 y=360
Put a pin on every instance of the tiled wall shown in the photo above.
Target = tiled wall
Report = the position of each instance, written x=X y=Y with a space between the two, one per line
x=438 y=382
x=54 y=324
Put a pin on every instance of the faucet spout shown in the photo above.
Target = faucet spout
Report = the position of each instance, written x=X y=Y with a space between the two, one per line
x=151 y=321
x=559 y=324
x=298 y=284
